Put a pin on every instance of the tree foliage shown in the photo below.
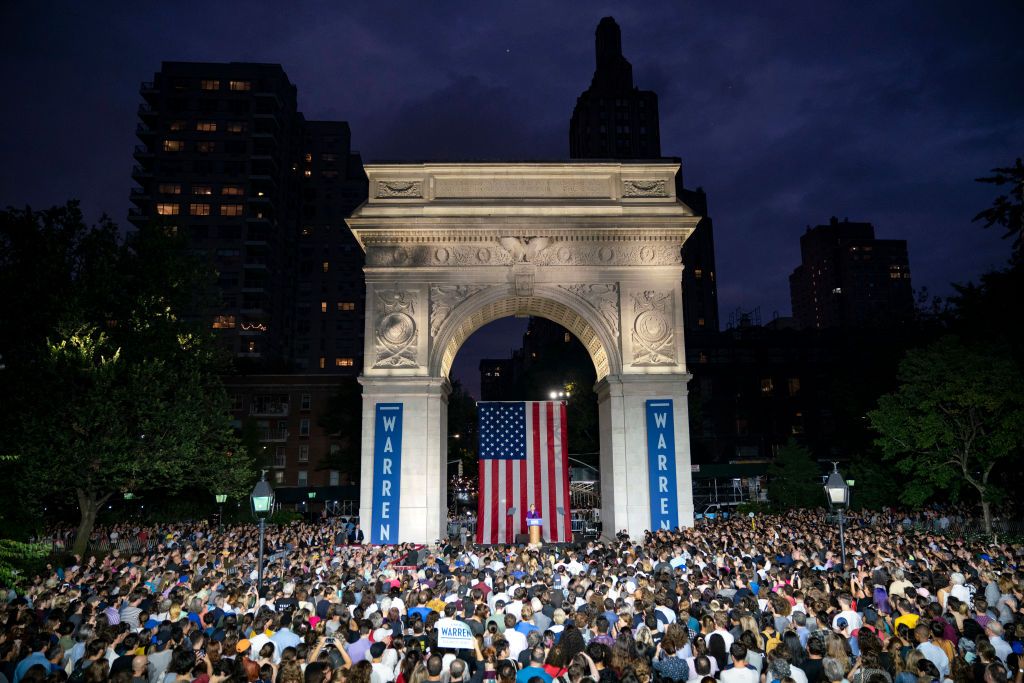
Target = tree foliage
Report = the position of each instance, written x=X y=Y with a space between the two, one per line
x=794 y=479
x=110 y=387
x=956 y=417
x=1007 y=210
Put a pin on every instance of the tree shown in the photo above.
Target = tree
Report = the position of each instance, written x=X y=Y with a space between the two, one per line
x=794 y=479
x=956 y=417
x=110 y=386
x=1007 y=210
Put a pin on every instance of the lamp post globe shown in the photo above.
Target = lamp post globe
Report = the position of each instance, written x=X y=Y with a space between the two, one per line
x=262 y=500
x=837 y=492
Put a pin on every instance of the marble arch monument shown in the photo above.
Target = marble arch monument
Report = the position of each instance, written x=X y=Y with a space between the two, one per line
x=594 y=246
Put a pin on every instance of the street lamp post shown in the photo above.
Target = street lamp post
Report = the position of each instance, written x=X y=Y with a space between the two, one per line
x=312 y=497
x=221 y=498
x=837 y=491
x=262 y=499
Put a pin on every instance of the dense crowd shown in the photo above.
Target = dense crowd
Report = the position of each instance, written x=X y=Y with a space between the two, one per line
x=761 y=600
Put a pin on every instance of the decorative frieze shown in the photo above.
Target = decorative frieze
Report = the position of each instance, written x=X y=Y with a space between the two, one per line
x=399 y=189
x=653 y=329
x=446 y=298
x=642 y=189
x=396 y=332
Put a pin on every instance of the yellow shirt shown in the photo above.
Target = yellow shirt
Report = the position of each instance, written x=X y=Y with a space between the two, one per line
x=909 y=619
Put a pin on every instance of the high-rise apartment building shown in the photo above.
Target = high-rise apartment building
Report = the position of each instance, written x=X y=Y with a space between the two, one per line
x=227 y=158
x=613 y=119
x=847 y=278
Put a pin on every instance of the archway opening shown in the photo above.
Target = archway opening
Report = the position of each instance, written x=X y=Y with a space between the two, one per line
x=523 y=359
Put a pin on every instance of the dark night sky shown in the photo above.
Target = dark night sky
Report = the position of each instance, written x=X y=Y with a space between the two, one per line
x=786 y=113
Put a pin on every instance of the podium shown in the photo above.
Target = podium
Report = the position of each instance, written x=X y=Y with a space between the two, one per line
x=535 y=526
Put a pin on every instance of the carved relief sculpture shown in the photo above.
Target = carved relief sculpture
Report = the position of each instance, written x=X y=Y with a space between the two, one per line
x=652 y=333
x=604 y=298
x=399 y=189
x=644 y=188
x=396 y=329
x=444 y=299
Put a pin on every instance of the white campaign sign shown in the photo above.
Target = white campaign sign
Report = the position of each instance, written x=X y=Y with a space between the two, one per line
x=454 y=634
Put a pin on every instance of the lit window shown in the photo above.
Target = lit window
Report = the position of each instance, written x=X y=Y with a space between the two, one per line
x=794 y=386
x=240 y=85
x=307 y=401
x=309 y=157
x=205 y=147
x=206 y=126
x=223 y=322
x=173 y=145
x=252 y=346
x=767 y=385
x=279 y=477
x=307 y=231
x=346 y=306
x=304 y=427
x=303 y=478
x=169 y=188
x=567 y=338
x=280 y=456
x=204 y=190
x=199 y=209
x=177 y=125
x=837 y=290
x=700 y=322
x=328 y=157
x=308 y=173
x=323 y=306
x=230 y=209
x=304 y=453
x=698 y=273
x=236 y=127
x=323 y=362
x=343 y=362
x=168 y=209
x=327 y=266
x=233 y=190
x=210 y=85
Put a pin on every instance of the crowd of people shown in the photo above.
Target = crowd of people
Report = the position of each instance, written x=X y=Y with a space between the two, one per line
x=745 y=600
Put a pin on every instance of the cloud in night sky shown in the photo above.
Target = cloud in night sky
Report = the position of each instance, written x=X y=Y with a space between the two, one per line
x=785 y=113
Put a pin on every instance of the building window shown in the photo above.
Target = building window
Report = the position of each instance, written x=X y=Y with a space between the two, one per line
x=168 y=209
x=205 y=147
x=304 y=427
x=326 y=266
x=767 y=385
x=174 y=145
x=223 y=322
x=308 y=173
x=206 y=126
x=240 y=86
x=567 y=338
x=794 y=386
x=307 y=401
x=309 y=156
x=209 y=85
x=236 y=127
x=303 y=478
x=169 y=188
x=798 y=423
x=334 y=477
x=230 y=209
x=346 y=305
x=343 y=362
x=177 y=125
x=280 y=457
x=698 y=273
x=323 y=306
x=279 y=477
x=202 y=190
x=199 y=209
x=323 y=362
x=304 y=453
x=237 y=401
x=233 y=190
x=252 y=346
x=700 y=322
x=307 y=231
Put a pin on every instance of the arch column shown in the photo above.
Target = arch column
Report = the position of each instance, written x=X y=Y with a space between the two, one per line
x=625 y=465
x=423 y=513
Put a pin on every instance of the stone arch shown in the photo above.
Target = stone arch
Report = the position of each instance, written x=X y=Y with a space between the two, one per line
x=552 y=303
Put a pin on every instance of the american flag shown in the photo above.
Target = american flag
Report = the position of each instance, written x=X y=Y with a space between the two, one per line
x=523 y=461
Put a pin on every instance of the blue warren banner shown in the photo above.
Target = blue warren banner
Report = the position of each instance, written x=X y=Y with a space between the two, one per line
x=387 y=473
x=661 y=464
